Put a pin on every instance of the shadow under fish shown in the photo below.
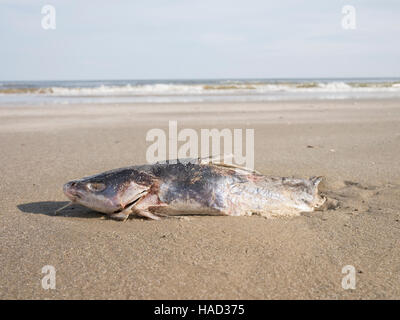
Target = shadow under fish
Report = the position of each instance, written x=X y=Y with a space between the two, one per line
x=51 y=208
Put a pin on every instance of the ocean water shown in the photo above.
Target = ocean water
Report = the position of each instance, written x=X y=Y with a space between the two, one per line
x=221 y=90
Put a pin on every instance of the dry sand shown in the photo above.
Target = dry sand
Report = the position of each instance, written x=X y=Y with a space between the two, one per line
x=355 y=145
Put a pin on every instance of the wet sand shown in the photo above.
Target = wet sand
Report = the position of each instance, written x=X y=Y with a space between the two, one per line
x=355 y=145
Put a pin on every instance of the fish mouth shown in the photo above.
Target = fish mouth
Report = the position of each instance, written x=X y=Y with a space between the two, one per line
x=71 y=193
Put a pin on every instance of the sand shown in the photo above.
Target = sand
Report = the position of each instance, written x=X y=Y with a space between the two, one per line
x=355 y=145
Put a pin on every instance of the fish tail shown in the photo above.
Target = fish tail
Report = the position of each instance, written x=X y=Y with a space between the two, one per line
x=316 y=181
x=318 y=199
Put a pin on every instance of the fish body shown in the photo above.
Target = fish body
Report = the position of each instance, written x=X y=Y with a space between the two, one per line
x=193 y=187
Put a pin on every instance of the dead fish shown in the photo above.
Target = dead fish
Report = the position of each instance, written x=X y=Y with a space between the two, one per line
x=196 y=187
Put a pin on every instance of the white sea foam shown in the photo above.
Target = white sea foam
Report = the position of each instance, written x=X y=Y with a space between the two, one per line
x=195 y=91
x=200 y=89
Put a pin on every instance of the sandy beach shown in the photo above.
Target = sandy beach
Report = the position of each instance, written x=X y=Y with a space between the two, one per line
x=353 y=144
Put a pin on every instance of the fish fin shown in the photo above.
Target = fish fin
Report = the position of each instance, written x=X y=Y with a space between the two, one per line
x=166 y=216
x=124 y=214
x=142 y=207
x=226 y=161
x=220 y=158
x=316 y=180
x=320 y=201
x=216 y=158
x=219 y=161
x=204 y=160
x=238 y=169
x=120 y=216
x=147 y=214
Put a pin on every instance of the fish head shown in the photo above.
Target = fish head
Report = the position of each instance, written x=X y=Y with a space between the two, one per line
x=109 y=192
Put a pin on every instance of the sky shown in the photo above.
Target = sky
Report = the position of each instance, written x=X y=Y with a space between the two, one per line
x=188 y=39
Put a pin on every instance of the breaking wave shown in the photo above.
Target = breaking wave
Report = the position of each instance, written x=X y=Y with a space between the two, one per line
x=183 y=89
x=197 y=90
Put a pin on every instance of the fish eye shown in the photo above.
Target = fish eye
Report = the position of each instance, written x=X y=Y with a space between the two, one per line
x=96 y=186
